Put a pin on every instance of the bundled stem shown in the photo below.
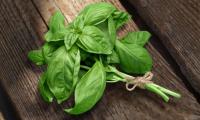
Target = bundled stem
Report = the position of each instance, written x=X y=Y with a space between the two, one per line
x=148 y=85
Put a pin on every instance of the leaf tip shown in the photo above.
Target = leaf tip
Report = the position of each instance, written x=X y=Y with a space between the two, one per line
x=69 y=111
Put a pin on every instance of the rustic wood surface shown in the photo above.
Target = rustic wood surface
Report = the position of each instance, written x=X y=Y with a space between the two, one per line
x=177 y=23
x=6 y=110
x=1 y=116
x=22 y=25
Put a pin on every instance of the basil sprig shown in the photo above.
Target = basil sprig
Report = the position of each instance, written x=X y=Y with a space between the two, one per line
x=81 y=57
x=89 y=89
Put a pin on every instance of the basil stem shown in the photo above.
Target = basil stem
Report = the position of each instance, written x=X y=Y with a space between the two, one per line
x=169 y=92
x=151 y=88
x=85 y=67
x=161 y=91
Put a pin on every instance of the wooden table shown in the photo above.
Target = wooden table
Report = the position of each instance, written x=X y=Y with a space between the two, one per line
x=24 y=22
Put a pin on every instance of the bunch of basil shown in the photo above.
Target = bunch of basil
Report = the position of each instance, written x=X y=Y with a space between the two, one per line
x=80 y=57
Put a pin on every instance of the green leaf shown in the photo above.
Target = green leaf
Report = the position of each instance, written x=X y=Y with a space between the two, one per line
x=74 y=30
x=120 y=18
x=57 y=36
x=44 y=89
x=93 y=40
x=81 y=73
x=47 y=50
x=140 y=38
x=97 y=13
x=70 y=39
x=57 y=22
x=36 y=57
x=78 y=23
x=112 y=31
x=109 y=30
x=113 y=58
x=89 y=89
x=62 y=72
x=57 y=28
x=133 y=58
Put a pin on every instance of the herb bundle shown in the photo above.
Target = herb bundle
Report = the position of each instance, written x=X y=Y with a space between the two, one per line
x=82 y=57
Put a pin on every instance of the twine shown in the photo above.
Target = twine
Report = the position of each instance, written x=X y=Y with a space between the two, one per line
x=138 y=81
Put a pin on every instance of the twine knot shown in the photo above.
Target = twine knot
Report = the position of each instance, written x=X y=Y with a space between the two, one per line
x=138 y=81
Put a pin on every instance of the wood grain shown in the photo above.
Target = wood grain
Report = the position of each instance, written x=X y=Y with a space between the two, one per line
x=177 y=24
x=21 y=27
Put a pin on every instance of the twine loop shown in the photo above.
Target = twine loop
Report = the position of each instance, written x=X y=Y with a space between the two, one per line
x=138 y=81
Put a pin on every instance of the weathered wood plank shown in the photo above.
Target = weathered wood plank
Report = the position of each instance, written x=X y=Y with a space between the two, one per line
x=1 y=116
x=177 y=24
x=21 y=28
x=17 y=23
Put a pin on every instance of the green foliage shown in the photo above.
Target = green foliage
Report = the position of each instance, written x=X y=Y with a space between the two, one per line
x=36 y=57
x=79 y=57
x=93 y=40
x=139 y=38
x=89 y=89
x=109 y=31
x=70 y=39
x=97 y=13
x=120 y=18
x=57 y=28
x=44 y=89
x=62 y=72
x=113 y=57
x=47 y=51
x=133 y=58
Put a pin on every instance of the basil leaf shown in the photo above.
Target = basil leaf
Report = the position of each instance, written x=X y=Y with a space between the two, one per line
x=120 y=18
x=57 y=22
x=113 y=58
x=81 y=73
x=78 y=23
x=93 y=40
x=57 y=28
x=97 y=13
x=133 y=58
x=140 y=38
x=112 y=31
x=75 y=29
x=62 y=72
x=89 y=89
x=36 y=57
x=44 y=89
x=47 y=51
x=57 y=36
x=70 y=39
x=109 y=30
